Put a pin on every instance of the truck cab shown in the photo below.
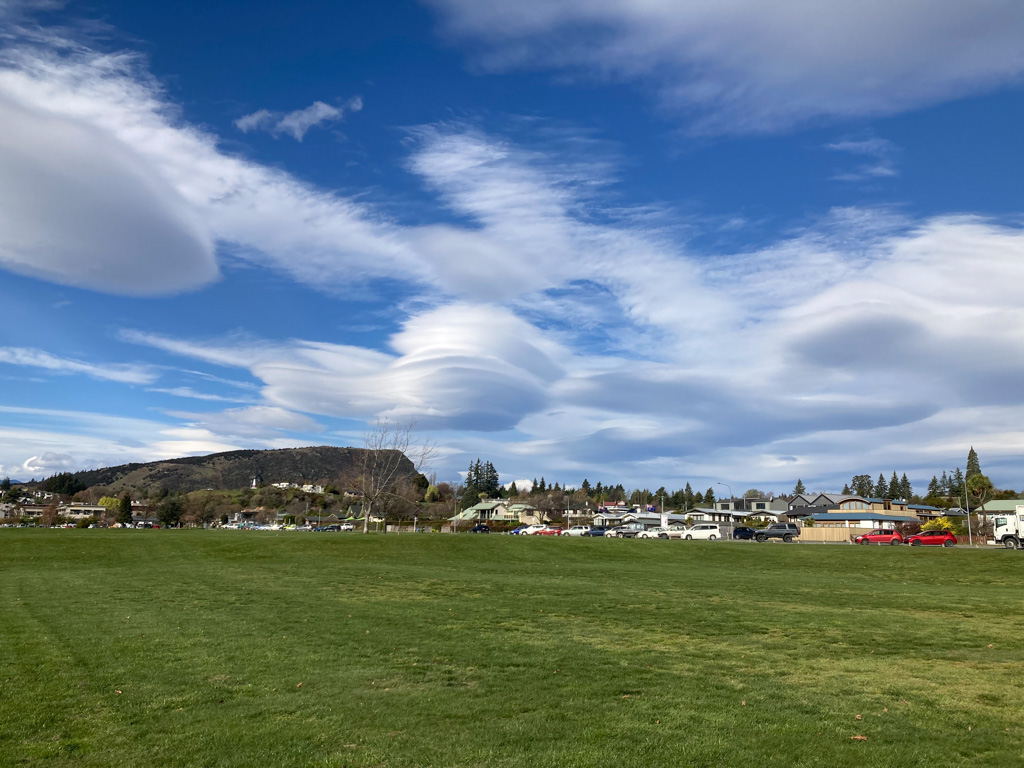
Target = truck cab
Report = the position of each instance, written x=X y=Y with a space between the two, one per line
x=1009 y=528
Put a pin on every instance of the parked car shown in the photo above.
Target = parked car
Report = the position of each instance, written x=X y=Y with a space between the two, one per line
x=627 y=531
x=706 y=531
x=552 y=531
x=480 y=528
x=785 y=531
x=347 y=527
x=518 y=531
x=595 y=531
x=879 y=536
x=577 y=530
x=675 y=531
x=932 y=538
x=532 y=530
x=743 y=532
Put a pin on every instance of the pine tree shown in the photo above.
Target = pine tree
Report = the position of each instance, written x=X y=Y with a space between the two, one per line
x=799 y=487
x=956 y=484
x=512 y=490
x=846 y=490
x=534 y=487
x=895 y=487
x=881 y=487
x=555 y=488
x=861 y=485
x=709 y=497
x=973 y=465
x=905 y=490
x=124 y=510
x=698 y=499
x=934 y=489
x=585 y=487
x=944 y=484
x=543 y=486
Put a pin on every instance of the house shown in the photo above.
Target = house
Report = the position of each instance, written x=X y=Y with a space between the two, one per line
x=800 y=500
x=707 y=515
x=528 y=514
x=859 y=520
x=998 y=507
x=489 y=511
x=925 y=512
x=79 y=511
x=756 y=507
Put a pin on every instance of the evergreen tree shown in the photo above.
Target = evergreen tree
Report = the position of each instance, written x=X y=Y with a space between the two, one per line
x=598 y=489
x=5 y=485
x=881 y=487
x=799 y=487
x=846 y=489
x=619 y=493
x=512 y=490
x=555 y=488
x=709 y=497
x=124 y=510
x=934 y=489
x=956 y=483
x=534 y=487
x=585 y=487
x=861 y=485
x=905 y=490
x=698 y=499
x=543 y=486
x=895 y=487
x=973 y=465
x=944 y=484
x=688 y=497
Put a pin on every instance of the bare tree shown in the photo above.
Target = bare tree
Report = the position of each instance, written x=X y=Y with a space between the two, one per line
x=388 y=446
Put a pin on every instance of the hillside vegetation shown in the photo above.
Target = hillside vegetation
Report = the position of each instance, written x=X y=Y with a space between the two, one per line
x=236 y=469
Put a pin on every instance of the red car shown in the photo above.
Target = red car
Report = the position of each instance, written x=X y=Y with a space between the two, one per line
x=934 y=538
x=879 y=536
x=550 y=532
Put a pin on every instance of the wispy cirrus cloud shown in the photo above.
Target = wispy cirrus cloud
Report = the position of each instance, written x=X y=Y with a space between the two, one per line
x=879 y=157
x=299 y=121
x=121 y=372
x=751 y=66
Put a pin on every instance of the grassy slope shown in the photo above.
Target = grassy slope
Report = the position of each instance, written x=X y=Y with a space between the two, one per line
x=451 y=651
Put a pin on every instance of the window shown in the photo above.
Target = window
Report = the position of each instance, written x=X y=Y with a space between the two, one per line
x=759 y=505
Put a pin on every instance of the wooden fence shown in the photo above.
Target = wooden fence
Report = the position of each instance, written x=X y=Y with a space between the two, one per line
x=821 y=533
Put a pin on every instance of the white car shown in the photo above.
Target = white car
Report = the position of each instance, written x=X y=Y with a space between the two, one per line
x=576 y=530
x=706 y=531
x=534 y=529
x=668 y=532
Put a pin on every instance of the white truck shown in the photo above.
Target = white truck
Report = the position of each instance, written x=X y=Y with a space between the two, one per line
x=1009 y=528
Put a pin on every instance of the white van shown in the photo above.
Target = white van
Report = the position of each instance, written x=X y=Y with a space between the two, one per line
x=706 y=531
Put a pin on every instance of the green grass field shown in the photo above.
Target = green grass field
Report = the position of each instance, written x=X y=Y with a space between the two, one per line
x=223 y=648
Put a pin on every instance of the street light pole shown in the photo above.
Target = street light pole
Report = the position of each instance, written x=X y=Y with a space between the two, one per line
x=967 y=503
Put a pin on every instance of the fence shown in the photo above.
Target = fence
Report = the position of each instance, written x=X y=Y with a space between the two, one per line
x=822 y=533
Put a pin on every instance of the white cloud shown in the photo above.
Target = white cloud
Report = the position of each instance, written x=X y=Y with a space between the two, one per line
x=456 y=367
x=879 y=153
x=122 y=372
x=104 y=187
x=259 y=421
x=750 y=65
x=298 y=122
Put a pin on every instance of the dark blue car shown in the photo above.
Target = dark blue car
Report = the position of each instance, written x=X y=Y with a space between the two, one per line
x=594 y=532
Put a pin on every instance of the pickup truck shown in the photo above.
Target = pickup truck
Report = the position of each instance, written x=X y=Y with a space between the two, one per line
x=784 y=531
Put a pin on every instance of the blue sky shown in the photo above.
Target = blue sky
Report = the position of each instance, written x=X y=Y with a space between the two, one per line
x=649 y=243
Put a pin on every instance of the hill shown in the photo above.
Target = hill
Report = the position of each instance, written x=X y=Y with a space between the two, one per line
x=321 y=464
